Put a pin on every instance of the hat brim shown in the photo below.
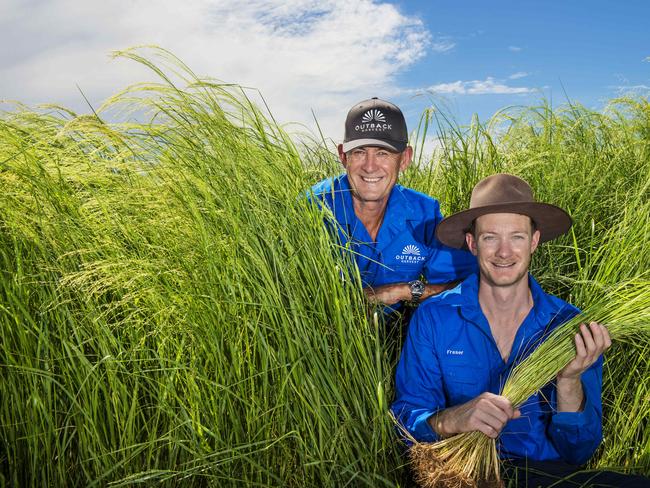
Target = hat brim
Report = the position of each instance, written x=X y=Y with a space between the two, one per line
x=551 y=221
x=395 y=146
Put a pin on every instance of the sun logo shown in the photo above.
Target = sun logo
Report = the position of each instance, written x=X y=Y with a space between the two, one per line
x=411 y=250
x=373 y=115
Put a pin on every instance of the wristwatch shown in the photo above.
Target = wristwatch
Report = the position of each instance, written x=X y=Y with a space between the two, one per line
x=417 y=289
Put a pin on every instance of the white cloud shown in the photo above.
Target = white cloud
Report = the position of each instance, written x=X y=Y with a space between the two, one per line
x=489 y=86
x=301 y=54
x=633 y=89
x=517 y=75
x=515 y=49
x=443 y=46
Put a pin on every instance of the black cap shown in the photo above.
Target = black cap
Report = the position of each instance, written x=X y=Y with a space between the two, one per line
x=375 y=122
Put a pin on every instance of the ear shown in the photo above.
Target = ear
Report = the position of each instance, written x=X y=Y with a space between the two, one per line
x=342 y=156
x=471 y=243
x=406 y=158
x=534 y=242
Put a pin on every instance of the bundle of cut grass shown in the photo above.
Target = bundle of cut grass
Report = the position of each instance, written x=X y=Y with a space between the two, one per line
x=470 y=459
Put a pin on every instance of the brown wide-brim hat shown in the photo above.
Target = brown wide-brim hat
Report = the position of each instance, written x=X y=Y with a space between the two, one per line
x=503 y=193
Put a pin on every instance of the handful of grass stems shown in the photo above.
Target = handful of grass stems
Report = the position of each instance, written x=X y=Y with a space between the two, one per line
x=470 y=459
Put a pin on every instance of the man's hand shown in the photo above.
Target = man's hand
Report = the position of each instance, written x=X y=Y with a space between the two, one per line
x=591 y=341
x=487 y=413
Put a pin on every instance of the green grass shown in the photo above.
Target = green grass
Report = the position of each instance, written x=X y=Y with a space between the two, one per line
x=172 y=311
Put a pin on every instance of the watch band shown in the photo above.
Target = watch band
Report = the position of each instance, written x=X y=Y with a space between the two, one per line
x=417 y=290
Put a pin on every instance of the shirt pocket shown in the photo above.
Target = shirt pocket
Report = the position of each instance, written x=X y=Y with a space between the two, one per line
x=463 y=383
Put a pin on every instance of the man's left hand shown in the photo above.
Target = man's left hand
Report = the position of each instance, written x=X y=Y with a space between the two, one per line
x=591 y=342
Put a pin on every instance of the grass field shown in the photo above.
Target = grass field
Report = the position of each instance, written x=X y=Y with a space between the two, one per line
x=172 y=312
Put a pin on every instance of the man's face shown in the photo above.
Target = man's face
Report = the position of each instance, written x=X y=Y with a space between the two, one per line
x=373 y=171
x=503 y=244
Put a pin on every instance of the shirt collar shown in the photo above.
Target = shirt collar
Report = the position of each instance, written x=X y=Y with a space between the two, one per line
x=343 y=207
x=398 y=209
x=543 y=308
x=467 y=298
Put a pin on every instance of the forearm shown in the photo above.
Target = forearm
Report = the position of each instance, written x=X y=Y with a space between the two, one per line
x=577 y=432
x=418 y=380
x=439 y=424
x=434 y=289
x=570 y=395
x=401 y=292
x=590 y=341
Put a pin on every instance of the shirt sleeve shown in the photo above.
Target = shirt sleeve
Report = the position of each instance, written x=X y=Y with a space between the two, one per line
x=576 y=435
x=445 y=263
x=418 y=381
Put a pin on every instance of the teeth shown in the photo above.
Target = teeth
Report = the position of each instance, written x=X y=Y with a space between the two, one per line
x=503 y=265
x=370 y=180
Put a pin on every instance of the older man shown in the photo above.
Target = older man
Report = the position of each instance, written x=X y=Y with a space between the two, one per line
x=389 y=229
x=461 y=345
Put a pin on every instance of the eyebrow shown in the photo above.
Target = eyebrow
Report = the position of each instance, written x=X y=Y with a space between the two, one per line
x=483 y=232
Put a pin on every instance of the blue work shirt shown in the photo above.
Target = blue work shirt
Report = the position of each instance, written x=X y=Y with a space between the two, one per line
x=406 y=247
x=450 y=357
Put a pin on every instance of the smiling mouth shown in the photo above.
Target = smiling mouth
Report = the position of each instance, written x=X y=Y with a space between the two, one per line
x=503 y=266
x=367 y=179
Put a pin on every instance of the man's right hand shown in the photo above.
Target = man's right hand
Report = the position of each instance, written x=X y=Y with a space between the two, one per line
x=487 y=413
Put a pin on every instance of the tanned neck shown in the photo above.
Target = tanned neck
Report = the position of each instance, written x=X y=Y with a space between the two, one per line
x=371 y=215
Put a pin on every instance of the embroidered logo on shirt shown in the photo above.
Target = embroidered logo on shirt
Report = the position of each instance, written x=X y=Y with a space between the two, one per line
x=410 y=254
x=411 y=249
x=454 y=352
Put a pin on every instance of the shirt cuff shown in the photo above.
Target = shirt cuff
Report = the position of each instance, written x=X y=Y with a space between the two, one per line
x=570 y=419
x=422 y=430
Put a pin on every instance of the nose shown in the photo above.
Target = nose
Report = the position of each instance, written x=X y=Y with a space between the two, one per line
x=504 y=250
x=370 y=162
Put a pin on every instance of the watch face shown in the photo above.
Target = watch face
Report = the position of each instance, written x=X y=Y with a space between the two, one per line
x=417 y=288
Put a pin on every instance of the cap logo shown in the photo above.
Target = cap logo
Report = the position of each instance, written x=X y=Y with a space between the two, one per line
x=371 y=115
x=373 y=121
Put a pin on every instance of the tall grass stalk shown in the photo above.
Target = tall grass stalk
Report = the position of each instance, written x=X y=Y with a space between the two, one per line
x=172 y=311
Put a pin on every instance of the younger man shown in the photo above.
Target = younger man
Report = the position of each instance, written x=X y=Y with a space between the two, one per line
x=462 y=345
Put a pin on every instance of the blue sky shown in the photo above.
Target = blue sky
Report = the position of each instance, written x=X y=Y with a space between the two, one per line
x=324 y=55
x=590 y=51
